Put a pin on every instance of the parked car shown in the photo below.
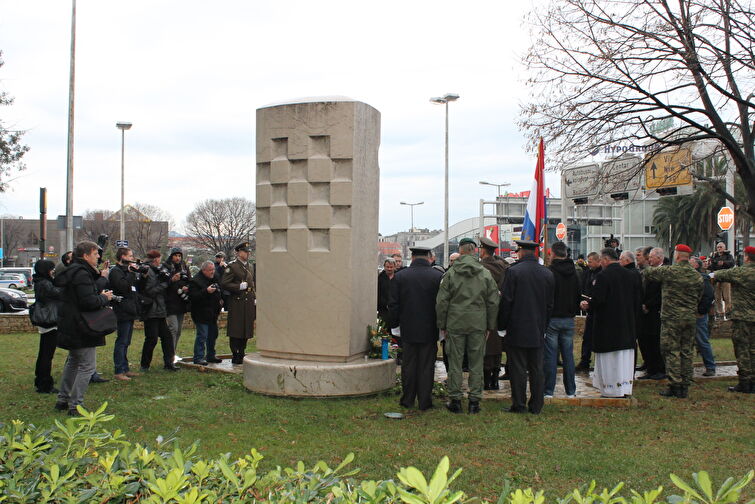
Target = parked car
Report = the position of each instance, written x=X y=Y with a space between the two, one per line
x=13 y=281
x=12 y=300
x=26 y=272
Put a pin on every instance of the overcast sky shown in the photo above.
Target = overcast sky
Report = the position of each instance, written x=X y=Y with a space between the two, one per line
x=190 y=74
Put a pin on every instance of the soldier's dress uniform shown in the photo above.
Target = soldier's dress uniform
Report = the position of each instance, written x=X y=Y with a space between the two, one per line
x=681 y=288
x=241 y=307
x=742 y=282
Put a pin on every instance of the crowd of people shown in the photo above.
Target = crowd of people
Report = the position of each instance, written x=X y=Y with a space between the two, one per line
x=483 y=306
x=69 y=298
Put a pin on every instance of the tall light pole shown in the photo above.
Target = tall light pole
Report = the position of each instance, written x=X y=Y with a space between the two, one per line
x=69 y=161
x=412 y=205
x=505 y=184
x=123 y=126
x=444 y=101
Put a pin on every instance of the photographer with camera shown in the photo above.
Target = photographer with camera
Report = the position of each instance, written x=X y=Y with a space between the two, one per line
x=123 y=280
x=206 y=302
x=155 y=326
x=177 y=296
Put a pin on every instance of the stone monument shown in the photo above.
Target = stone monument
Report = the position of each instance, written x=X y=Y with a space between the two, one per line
x=317 y=225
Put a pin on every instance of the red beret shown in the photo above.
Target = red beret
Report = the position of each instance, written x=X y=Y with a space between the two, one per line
x=703 y=258
x=683 y=248
x=750 y=250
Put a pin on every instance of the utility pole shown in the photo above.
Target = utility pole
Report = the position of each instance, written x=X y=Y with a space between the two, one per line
x=69 y=164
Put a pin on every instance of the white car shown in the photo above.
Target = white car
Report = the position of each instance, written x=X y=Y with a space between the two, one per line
x=13 y=281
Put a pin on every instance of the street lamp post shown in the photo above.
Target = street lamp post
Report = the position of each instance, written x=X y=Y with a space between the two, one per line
x=444 y=101
x=505 y=184
x=123 y=126
x=412 y=205
x=69 y=157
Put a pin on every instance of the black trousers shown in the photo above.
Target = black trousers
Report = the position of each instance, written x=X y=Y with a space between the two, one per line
x=650 y=346
x=586 y=351
x=417 y=372
x=43 y=369
x=155 y=328
x=521 y=362
x=238 y=346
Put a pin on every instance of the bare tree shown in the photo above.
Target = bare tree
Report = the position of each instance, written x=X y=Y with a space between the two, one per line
x=13 y=235
x=98 y=222
x=219 y=225
x=148 y=227
x=604 y=71
x=11 y=148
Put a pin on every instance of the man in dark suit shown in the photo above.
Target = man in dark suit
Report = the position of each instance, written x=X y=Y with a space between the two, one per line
x=412 y=308
x=524 y=311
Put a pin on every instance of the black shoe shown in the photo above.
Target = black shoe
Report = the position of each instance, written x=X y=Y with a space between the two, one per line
x=505 y=376
x=671 y=391
x=201 y=363
x=743 y=387
x=214 y=360
x=97 y=379
x=516 y=410
x=51 y=390
x=144 y=369
x=683 y=391
x=427 y=408
x=61 y=406
x=641 y=368
x=454 y=406
x=474 y=407
x=171 y=367
x=582 y=368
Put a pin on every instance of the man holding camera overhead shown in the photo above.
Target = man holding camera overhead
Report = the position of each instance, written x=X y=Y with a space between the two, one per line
x=205 y=307
x=177 y=295
x=238 y=279
x=123 y=282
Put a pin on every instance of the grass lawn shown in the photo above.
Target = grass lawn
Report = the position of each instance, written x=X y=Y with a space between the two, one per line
x=556 y=451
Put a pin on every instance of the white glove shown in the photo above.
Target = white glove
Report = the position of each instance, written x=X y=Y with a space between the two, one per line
x=243 y=286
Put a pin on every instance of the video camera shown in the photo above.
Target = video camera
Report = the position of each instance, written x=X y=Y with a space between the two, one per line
x=141 y=268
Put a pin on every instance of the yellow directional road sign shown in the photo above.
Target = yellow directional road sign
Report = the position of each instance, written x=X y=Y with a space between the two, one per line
x=668 y=169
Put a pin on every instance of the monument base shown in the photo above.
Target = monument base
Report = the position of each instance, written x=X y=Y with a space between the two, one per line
x=297 y=378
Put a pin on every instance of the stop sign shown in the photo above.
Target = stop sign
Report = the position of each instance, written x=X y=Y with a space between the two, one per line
x=725 y=218
x=561 y=231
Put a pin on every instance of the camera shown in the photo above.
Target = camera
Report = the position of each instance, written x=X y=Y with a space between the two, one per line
x=117 y=299
x=163 y=273
x=215 y=286
x=140 y=267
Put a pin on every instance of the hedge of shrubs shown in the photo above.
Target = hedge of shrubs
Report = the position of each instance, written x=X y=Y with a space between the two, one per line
x=79 y=461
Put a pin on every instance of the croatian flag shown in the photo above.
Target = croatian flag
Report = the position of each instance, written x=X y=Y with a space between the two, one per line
x=534 y=215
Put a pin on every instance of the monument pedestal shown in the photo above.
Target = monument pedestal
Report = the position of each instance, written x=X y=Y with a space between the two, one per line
x=298 y=378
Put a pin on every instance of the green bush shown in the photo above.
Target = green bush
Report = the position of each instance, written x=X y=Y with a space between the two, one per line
x=79 y=461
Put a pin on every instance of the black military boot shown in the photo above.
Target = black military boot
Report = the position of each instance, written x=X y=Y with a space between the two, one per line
x=671 y=391
x=474 y=407
x=683 y=391
x=743 y=387
x=454 y=406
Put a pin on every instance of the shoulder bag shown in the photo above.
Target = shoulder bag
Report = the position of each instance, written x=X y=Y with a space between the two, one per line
x=97 y=323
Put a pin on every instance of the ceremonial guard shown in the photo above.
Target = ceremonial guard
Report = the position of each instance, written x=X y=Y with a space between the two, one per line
x=681 y=289
x=742 y=281
x=238 y=280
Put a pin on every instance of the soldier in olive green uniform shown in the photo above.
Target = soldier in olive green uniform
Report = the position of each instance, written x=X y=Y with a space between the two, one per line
x=742 y=282
x=681 y=288
x=238 y=279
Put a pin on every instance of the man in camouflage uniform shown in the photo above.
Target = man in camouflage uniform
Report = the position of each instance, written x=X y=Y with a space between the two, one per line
x=681 y=288
x=742 y=281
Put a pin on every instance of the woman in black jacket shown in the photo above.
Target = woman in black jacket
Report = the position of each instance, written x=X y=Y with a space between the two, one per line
x=47 y=298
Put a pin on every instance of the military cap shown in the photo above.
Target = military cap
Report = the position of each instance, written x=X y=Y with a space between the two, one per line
x=526 y=244
x=683 y=248
x=488 y=243
x=242 y=246
x=750 y=250
x=220 y=254
x=464 y=241
x=420 y=251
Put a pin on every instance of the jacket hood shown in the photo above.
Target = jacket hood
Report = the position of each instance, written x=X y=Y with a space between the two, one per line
x=64 y=277
x=467 y=266
x=563 y=267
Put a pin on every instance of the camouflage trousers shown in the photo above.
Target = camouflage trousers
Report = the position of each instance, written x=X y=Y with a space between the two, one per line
x=677 y=341
x=743 y=338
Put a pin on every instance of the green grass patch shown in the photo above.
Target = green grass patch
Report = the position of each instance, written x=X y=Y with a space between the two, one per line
x=558 y=450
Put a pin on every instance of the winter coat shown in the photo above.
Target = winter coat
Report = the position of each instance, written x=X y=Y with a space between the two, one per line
x=526 y=303
x=205 y=307
x=154 y=288
x=721 y=261
x=706 y=301
x=174 y=303
x=497 y=268
x=566 y=291
x=242 y=310
x=615 y=302
x=80 y=294
x=467 y=300
x=46 y=294
x=384 y=295
x=122 y=282
x=412 y=302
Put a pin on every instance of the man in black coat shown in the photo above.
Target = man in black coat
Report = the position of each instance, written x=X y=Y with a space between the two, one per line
x=122 y=280
x=78 y=281
x=588 y=279
x=206 y=301
x=412 y=309
x=615 y=302
x=525 y=308
x=177 y=293
x=650 y=334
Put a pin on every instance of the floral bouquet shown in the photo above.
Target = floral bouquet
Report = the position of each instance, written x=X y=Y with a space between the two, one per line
x=376 y=334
